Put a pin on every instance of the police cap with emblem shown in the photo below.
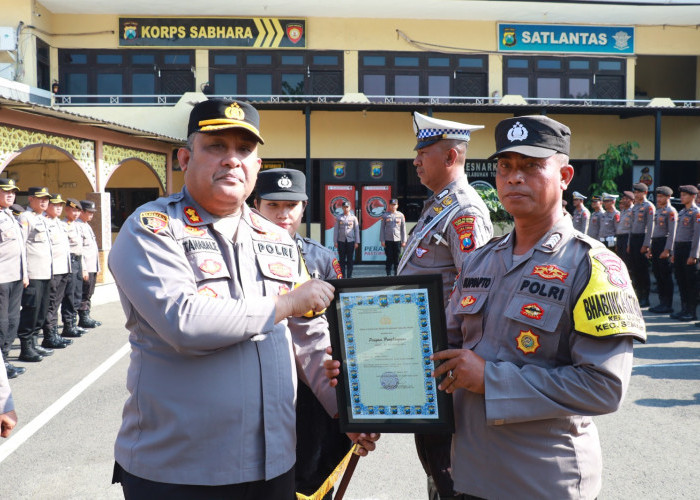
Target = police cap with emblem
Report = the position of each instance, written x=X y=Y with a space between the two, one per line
x=73 y=203
x=688 y=188
x=641 y=187
x=535 y=136
x=393 y=201
x=8 y=184
x=281 y=184
x=578 y=196
x=628 y=194
x=219 y=114
x=430 y=130
x=595 y=198
x=39 y=192
x=88 y=206
x=665 y=190
x=16 y=209
x=609 y=197
x=56 y=199
x=346 y=203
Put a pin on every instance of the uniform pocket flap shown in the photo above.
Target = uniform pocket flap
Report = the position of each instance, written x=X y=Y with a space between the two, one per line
x=471 y=302
x=541 y=314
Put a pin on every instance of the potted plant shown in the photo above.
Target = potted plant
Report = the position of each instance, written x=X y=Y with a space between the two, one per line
x=611 y=165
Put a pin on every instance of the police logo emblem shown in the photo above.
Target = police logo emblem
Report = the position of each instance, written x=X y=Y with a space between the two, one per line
x=527 y=342
x=532 y=310
x=517 y=133
x=467 y=301
x=376 y=169
x=284 y=182
x=339 y=169
x=509 y=38
x=420 y=252
x=153 y=221
x=613 y=268
x=234 y=112
x=130 y=30
x=295 y=32
x=621 y=38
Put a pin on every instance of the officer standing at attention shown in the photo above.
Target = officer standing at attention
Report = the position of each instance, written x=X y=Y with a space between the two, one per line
x=581 y=214
x=392 y=233
x=280 y=195
x=596 y=214
x=661 y=246
x=13 y=279
x=347 y=238
x=608 y=221
x=74 y=289
x=35 y=297
x=624 y=226
x=639 y=242
x=686 y=251
x=538 y=357
x=202 y=280
x=60 y=251
x=453 y=223
x=91 y=258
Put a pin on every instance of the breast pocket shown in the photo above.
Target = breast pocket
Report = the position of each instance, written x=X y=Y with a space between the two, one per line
x=8 y=232
x=210 y=273
x=470 y=309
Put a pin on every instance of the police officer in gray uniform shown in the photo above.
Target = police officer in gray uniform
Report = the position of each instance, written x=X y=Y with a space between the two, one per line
x=74 y=289
x=91 y=257
x=13 y=279
x=538 y=354
x=661 y=246
x=622 y=230
x=581 y=215
x=453 y=223
x=392 y=234
x=280 y=195
x=60 y=251
x=608 y=221
x=686 y=252
x=35 y=298
x=346 y=232
x=202 y=280
x=596 y=213
x=640 y=241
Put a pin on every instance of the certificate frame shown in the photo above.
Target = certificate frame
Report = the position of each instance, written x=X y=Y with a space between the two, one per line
x=385 y=382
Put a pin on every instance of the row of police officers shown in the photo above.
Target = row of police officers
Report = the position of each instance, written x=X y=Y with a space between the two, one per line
x=47 y=263
x=642 y=233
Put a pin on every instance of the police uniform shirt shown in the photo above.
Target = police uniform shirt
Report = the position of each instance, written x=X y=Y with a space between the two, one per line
x=393 y=227
x=90 y=250
x=643 y=220
x=347 y=228
x=555 y=355
x=13 y=259
x=581 y=217
x=320 y=261
x=624 y=225
x=75 y=237
x=443 y=248
x=608 y=221
x=200 y=309
x=38 y=244
x=688 y=229
x=60 y=247
x=665 y=225
x=594 y=224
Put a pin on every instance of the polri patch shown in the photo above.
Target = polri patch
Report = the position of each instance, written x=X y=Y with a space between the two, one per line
x=527 y=342
x=466 y=242
x=153 y=221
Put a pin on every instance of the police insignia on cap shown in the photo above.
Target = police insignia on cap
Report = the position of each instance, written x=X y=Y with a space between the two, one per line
x=234 y=112
x=517 y=133
x=284 y=182
x=528 y=342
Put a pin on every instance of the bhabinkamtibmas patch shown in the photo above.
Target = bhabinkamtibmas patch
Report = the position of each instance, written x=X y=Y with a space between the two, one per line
x=608 y=305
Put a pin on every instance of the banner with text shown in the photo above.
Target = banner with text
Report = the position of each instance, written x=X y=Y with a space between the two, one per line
x=618 y=40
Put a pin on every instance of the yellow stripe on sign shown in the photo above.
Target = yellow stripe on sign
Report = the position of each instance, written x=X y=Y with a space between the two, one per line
x=280 y=32
x=330 y=480
x=270 y=32
x=261 y=32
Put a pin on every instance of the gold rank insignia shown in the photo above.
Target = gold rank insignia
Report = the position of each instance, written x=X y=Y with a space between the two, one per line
x=153 y=221
x=192 y=215
x=527 y=342
x=207 y=292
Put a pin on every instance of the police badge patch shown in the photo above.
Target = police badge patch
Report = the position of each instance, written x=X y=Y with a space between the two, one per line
x=527 y=342
x=153 y=221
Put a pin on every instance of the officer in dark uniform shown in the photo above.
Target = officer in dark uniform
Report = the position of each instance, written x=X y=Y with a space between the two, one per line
x=281 y=197
x=392 y=234
x=639 y=242
x=686 y=251
x=13 y=279
x=661 y=246
x=91 y=257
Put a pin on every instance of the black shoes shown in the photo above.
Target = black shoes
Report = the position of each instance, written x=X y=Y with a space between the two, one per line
x=28 y=353
x=43 y=351
x=643 y=302
x=86 y=321
x=13 y=371
x=661 y=309
x=687 y=317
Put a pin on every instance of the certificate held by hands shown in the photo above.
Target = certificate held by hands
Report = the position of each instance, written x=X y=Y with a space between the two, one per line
x=383 y=331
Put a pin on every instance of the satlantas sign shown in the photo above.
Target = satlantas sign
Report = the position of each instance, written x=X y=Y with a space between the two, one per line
x=257 y=32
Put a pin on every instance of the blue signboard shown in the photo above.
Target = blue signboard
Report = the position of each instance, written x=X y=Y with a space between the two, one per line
x=617 y=40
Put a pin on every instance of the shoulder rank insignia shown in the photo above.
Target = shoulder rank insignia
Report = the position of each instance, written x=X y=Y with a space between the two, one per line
x=256 y=222
x=192 y=215
x=153 y=221
x=527 y=342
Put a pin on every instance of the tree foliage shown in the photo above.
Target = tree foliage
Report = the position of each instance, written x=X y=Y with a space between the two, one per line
x=611 y=165
x=490 y=197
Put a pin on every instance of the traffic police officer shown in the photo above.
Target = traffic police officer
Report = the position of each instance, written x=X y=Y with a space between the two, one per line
x=538 y=354
x=74 y=289
x=91 y=257
x=624 y=226
x=35 y=298
x=686 y=250
x=392 y=233
x=453 y=223
x=639 y=242
x=608 y=221
x=281 y=197
x=60 y=251
x=13 y=279
x=347 y=238
x=596 y=213
x=581 y=214
x=661 y=246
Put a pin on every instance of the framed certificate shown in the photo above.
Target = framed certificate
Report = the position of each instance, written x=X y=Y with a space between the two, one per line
x=383 y=331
